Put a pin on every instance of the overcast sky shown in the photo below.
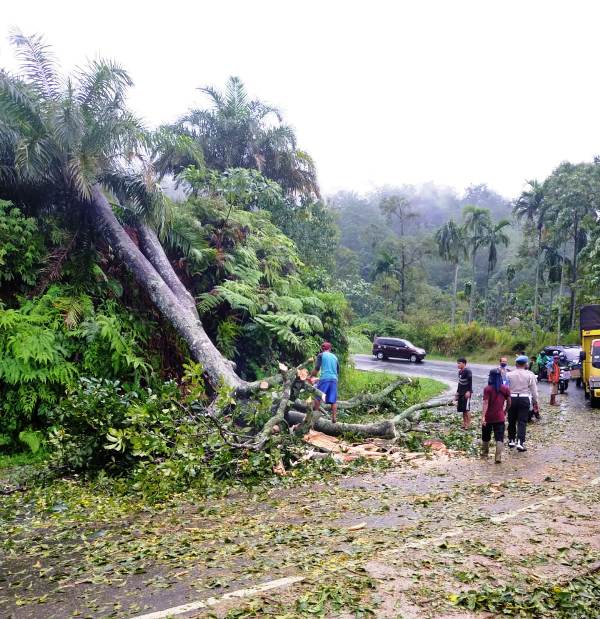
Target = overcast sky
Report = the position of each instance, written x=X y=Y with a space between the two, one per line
x=379 y=92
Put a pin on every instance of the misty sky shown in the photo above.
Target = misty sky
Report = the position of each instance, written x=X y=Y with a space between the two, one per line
x=379 y=92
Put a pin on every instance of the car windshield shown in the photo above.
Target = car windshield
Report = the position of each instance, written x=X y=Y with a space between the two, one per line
x=596 y=353
x=409 y=344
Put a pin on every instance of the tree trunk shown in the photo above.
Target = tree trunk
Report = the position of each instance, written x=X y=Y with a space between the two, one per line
x=560 y=294
x=472 y=297
x=485 y=295
x=175 y=310
x=154 y=252
x=537 y=278
x=454 y=291
x=574 y=275
x=403 y=282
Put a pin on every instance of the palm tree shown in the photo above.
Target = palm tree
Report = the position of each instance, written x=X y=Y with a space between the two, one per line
x=63 y=143
x=494 y=237
x=451 y=246
x=236 y=132
x=531 y=206
x=477 y=222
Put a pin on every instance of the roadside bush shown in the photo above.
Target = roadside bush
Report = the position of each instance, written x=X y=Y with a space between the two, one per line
x=462 y=339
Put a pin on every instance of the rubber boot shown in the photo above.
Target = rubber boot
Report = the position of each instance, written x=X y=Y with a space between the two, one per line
x=499 y=449
x=485 y=449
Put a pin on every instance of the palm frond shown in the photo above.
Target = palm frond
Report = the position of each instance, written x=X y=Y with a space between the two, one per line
x=37 y=63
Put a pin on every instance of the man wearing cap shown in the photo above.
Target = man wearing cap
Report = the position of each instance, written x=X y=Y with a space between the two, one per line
x=328 y=368
x=553 y=368
x=523 y=391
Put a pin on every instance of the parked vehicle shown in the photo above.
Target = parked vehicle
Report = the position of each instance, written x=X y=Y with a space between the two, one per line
x=564 y=378
x=396 y=348
x=589 y=322
x=571 y=356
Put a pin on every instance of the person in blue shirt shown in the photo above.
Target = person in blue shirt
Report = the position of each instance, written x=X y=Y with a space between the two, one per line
x=327 y=367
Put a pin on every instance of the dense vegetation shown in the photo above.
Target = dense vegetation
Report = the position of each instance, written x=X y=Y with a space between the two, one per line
x=147 y=274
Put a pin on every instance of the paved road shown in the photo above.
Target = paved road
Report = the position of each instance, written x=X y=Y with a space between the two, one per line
x=445 y=371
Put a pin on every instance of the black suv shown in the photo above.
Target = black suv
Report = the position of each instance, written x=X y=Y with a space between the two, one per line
x=394 y=347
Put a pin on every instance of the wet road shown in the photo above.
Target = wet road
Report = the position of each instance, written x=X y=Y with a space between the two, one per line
x=446 y=371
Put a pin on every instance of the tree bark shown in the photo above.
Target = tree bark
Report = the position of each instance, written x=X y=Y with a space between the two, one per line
x=154 y=252
x=180 y=315
x=574 y=275
x=454 y=292
x=560 y=294
x=472 y=297
x=537 y=277
x=385 y=428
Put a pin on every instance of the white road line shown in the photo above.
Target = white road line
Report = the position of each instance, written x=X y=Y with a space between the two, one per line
x=290 y=580
x=240 y=593
x=495 y=519
x=528 y=508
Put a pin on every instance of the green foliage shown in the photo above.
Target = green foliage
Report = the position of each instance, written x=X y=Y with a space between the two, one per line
x=33 y=440
x=486 y=343
x=159 y=439
x=21 y=249
x=579 y=597
x=46 y=342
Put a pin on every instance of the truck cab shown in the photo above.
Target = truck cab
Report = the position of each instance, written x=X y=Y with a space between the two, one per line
x=590 y=344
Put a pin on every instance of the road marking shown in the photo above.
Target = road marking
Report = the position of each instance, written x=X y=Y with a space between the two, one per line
x=290 y=580
x=495 y=519
x=528 y=508
x=240 y=593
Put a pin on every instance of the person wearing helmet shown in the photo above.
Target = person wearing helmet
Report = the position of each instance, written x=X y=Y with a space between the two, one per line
x=553 y=368
x=523 y=393
x=327 y=367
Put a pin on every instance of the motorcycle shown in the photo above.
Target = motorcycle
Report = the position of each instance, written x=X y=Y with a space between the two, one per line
x=564 y=378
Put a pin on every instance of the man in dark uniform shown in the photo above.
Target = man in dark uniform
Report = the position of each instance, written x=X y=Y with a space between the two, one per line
x=464 y=392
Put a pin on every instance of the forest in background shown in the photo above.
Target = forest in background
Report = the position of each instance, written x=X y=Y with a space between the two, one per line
x=146 y=275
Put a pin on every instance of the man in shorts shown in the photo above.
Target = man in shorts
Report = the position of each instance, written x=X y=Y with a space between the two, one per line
x=464 y=391
x=327 y=367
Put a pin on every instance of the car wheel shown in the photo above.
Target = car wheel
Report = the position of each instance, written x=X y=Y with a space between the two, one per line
x=380 y=356
x=413 y=358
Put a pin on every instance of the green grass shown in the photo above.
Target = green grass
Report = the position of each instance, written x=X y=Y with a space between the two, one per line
x=22 y=458
x=354 y=382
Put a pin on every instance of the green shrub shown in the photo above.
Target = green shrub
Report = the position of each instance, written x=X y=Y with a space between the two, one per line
x=462 y=339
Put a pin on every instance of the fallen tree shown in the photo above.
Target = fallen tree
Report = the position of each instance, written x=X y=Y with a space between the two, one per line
x=298 y=416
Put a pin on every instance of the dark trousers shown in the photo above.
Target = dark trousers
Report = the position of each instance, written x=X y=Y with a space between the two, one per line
x=497 y=428
x=518 y=413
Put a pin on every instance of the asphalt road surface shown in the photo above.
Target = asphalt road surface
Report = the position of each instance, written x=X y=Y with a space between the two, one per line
x=444 y=371
x=447 y=372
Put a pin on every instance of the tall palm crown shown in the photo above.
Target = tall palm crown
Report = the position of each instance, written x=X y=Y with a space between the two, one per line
x=236 y=132
x=451 y=242
x=494 y=237
x=531 y=204
x=477 y=221
x=60 y=136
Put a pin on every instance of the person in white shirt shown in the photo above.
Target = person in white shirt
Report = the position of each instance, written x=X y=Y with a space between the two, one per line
x=523 y=392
